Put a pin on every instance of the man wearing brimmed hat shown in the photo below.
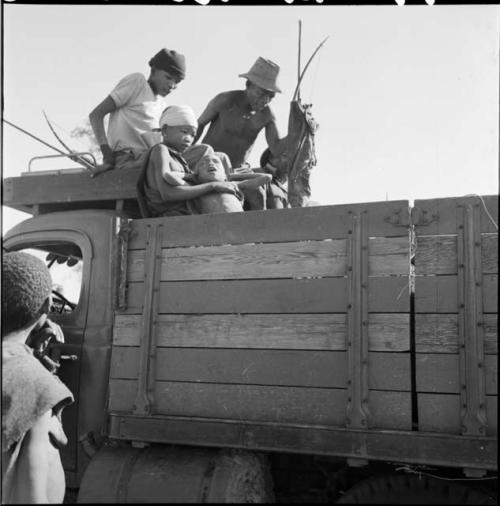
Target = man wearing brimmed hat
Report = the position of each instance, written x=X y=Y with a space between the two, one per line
x=32 y=397
x=237 y=117
x=135 y=106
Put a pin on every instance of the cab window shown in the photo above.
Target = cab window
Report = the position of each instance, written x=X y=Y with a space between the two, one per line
x=65 y=264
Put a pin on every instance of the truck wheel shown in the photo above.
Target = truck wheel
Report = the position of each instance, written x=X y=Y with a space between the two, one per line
x=406 y=489
x=170 y=474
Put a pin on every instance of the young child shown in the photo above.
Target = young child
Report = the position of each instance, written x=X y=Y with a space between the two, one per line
x=165 y=181
x=32 y=397
x=210 y=169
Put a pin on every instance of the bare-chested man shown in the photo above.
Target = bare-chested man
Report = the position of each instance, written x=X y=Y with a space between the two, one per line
x=236 y=117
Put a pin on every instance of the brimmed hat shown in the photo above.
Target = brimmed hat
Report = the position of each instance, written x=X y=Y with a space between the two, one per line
x=264 y=73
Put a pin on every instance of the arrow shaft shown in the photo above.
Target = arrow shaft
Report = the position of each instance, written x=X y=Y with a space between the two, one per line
x=34 y=137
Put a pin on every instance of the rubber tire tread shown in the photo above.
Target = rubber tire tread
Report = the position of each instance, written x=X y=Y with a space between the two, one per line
x=409 y=489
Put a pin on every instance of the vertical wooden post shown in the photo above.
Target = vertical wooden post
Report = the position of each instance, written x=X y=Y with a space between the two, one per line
x=470 y=322
x=145 y=389
x=121 y=297
x=357 y=323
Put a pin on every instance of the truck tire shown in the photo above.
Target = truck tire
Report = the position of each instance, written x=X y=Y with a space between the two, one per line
x=406 y=489
x=176 y=474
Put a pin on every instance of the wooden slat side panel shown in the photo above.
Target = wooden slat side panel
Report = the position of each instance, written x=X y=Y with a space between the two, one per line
x=46 y=188
x=309 y=223
x=325 y=295
x=273 y=260
x=438 y=294
x=437 y=255
x=389 y=410
x=314 y=406
x=387 y=332
x=438 y=333
x=441 y=413
x=263 y=367
x=239 y=402
x=440 y=374
x=446 y=210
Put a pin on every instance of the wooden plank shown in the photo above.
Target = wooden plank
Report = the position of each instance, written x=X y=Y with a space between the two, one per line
x=440 y=373
x=438 y=333
x=263 y=367
x=446 y=210
x=389 y=410
x=387 y=332
x=246 y=367
x=322 y=295
x=438 y=294
x=372 y=444
x=294 y=224
x=72 y=187
x=273 y=260
x=315 y=406
x=441 y=413
x=238 y=402
x=438 y=254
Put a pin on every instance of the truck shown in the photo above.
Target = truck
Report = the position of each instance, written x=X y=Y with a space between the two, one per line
x=333 y=353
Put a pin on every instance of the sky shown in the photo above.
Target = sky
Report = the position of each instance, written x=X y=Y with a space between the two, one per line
x=407 y=97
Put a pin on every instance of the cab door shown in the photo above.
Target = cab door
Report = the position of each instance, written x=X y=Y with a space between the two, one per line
x=77 y=248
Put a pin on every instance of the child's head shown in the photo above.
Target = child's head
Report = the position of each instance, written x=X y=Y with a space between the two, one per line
x=209 y=168
x=178 y=126
x=26 y=291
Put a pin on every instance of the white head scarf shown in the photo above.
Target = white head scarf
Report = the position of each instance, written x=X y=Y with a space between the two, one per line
x=178 y=115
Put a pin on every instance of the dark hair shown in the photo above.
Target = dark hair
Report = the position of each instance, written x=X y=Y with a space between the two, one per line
x=26 y=286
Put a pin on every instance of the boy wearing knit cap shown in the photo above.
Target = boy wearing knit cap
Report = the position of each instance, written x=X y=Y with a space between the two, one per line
x=135 y=106
x=164 y=186
x=32 y=397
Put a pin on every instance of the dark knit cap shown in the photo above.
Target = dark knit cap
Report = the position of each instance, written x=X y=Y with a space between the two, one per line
x=26 y=285
x=171 y=61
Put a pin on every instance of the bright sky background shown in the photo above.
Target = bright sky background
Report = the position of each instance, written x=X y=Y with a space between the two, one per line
x=407 y=98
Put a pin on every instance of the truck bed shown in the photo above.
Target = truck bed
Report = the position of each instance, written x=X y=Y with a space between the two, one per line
x=296 y=330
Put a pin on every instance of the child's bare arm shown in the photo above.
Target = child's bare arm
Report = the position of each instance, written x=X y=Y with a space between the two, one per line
x=254 y=181
x=34 y=460
x=163 y=162
x=186 y=192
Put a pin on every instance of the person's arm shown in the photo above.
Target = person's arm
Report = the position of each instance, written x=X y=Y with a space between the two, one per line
x=164 y=164
x=208 y=115
x=255 y=181
x=37 y=464
x=180 y=193
x=96 y=118
x=272 y=134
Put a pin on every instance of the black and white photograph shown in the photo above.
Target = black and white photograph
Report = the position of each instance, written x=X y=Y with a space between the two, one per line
x=250 y=252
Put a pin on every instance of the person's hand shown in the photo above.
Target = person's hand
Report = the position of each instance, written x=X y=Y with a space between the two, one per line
x=271 y=169
x=41 y=337
x=108 y=155
x=39 y=340
x=225 y=187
